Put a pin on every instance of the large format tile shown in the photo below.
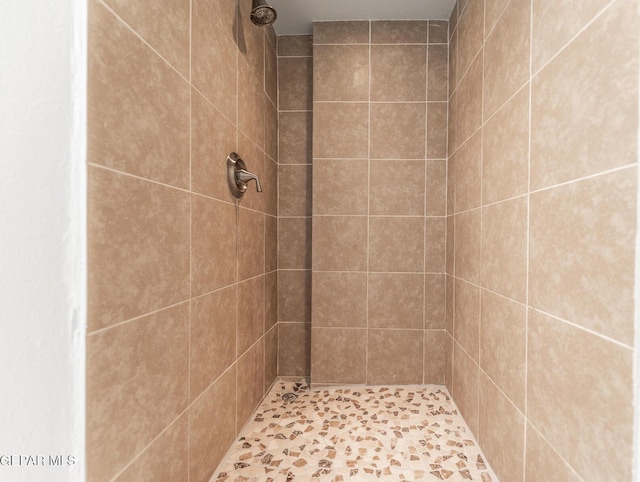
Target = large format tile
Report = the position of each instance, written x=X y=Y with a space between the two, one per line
x=338 y=355
x=571 y=376
x=340 y=72
x=397 y=131
x=467 y=318
x=396 y=244
x=294 y=295
x=212 y=338
x=164 y=25
x=438 y=71
x=399 y=32
x=250 y=382
x=138 y=247
x=349 y=32
x=295 y=84
x=340 y=131
x=213 y=46
x=250 y=313
x=340 y=186
x=434 y=357
x=503 y=341
x=395 y=301
x=392 y=191
x=544 y=462
x=137 y=106
x=213 y=245
x=581 y=254
x=294 y=131
x=340 y=243
x=398 y=73
x=465 y=386
x=251 y=244
x=468 y=260
x=212 y=427
x=339 y=299
x=593 y=84
x=294 y=347
x=394 y=357
x=137 y=380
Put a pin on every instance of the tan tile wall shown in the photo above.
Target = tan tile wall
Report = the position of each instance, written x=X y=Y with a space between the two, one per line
x=541 y=232
x=182 y=331
x=295 y=97
x=379 y=202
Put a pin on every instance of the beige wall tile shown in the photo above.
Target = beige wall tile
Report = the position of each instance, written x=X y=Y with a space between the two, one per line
x=448 y=362
x=397 y=131
x=294 y=296
x=505 y=151
x=434 y=301
x=340 y=131
x=212 y=427
x=450 y=304
x=396 y=244
x=339 y=299
x=294 y=239
x=271 y=73
x=451 y=184
x=251 y=106
x=294 y=347
x=593 y=373
x=436 y=188
x=213 y=139
x=468 y=169
x=501 y=432
x=399 y=32
x=270 y=300
x=396 y=187
x=340 y=186
x=434 y=357
x=339 y=243
x=555 y=25
x=465 y=386
x=270 y=357
x=271 y=243
x=213 y=46
x=133 y=374
x=212 y=338
x=453 y=129
x=295 y=46
x=294 y=190
x=131 y=219
x=396 y=301
x=340 y=72
x=130 y=90
x=468 y=260
x=398 y=72
x=270 y=187
x=453 y=19
x=253 y=156
x=593 y=83
x=165 y=459
x=507 y=50
x=251 y=244
x=453 y=63
x=338 y=355
x=450 y=251
x=504 y=248
x=503 y=341
x=270 y=129
x=341 y=32
x=436 y=130
x=493 y=9
x=581 y=253
x=435 y=245
x=469 y=103
x=467 y=318
x=294 y=131
x=471 y=33
x=250 y=382
x=164 y=25
x=213 y=230
x=250 y=39
x=438 y=81
x=394 y=357
x=438 y=31
x=296 y=83
x=250 y=313
x=544 y=462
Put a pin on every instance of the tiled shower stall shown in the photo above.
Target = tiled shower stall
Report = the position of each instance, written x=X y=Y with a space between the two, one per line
x=449 y=201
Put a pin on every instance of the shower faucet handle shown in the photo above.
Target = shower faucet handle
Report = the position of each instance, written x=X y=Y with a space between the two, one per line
x=238 y=176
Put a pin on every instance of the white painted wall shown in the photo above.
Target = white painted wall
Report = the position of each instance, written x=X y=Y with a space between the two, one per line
x=42 y=237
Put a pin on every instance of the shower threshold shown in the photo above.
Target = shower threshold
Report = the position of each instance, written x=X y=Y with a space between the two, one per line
x=352 y=433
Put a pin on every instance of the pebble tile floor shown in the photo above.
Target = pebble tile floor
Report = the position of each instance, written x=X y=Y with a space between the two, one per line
x=358 y=433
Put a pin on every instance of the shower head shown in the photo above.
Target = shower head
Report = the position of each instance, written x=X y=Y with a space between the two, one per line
x=262 y=14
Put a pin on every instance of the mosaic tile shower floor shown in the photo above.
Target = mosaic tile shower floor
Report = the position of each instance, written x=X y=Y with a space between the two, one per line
x=355 y=433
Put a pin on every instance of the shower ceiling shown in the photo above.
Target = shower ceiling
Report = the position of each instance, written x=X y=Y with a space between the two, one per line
x=296 y=16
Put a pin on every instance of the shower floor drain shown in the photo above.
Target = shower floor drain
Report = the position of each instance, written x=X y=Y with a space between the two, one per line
x=289 y=397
